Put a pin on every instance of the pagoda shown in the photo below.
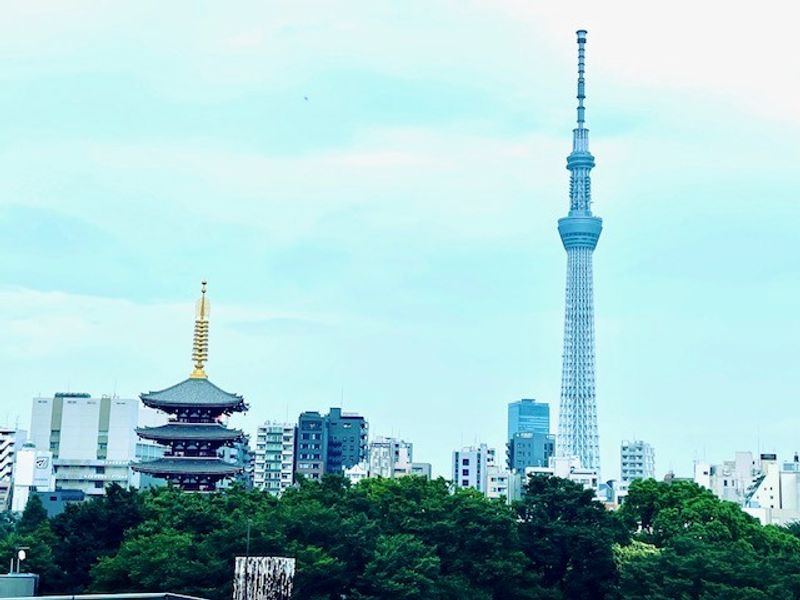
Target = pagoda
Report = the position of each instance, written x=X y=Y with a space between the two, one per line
x=194 y=433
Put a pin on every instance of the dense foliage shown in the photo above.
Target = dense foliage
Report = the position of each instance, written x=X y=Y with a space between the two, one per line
x=411 y=539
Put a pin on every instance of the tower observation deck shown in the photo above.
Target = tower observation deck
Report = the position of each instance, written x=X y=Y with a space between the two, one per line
x=579 y=231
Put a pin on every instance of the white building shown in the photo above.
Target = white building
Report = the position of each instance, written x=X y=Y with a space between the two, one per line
x=764 y=488
x=33 y=471
x=11 y=440
x=357 y=472
x=92 y=440
x=499 y=483
x=731 y=480
x=390 y=457
x=566 y=467
x=471 y=467
x=274 y=457
x=637 y=461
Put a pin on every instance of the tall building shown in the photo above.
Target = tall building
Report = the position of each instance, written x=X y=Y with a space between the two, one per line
x=330 y=443
x=637 y=461
x=274 y=462
x=347 y=440
x=579 y=231
x=312 y=445
x=528 y=415
x=471 y=467
x=530 y=449
x=390 y=457
x=92 y=440
x=195 y=435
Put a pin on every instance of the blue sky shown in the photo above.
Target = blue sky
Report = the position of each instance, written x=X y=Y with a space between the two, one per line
x=391 y=241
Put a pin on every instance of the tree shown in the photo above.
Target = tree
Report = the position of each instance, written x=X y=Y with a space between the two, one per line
x=568 y=537
x=402 y=568
x=33 y=516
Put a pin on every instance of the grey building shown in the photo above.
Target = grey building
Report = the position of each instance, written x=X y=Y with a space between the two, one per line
x=530 y=449
x=347 y=440
x=330 y=443
x=528 y=415
x=312 y=445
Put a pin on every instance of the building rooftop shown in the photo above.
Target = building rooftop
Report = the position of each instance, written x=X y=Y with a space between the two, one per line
x=189 y=431
x=194 y=392
x=186 y=465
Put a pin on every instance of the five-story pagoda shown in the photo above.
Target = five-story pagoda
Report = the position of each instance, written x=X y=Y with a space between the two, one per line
x=194 y=433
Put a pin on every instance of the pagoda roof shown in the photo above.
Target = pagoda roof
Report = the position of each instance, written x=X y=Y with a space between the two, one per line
x=187 y=466
x=189 y=431
x=195 y=391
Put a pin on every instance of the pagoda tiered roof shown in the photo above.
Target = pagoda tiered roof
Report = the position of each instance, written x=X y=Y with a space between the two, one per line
x=194 y=391
x=190 y=431
x=182 y=466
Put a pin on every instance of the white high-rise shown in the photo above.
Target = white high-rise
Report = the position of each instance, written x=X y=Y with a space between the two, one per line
x=636 y=460
x=274 y=457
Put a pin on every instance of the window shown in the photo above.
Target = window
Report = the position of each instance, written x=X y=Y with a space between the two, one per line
x=464 y=483
x=465 y=472
x=465 y=462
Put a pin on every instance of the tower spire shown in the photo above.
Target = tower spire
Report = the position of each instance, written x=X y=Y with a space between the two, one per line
x=200 y=341
x=581 y=33
x=580 y=161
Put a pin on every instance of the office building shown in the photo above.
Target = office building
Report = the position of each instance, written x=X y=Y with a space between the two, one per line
x=471 y=467
x=330 y=443
x=529 y=449
x=579 y=231
x=274 y=457
x=92 y=440
x=312 y=445
x=528 y=416
x=195 y=436
x=390 y=457
x=347 y=440
x=637 y=461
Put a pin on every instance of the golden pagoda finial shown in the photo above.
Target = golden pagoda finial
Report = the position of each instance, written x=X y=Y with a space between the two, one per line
x=200 y=345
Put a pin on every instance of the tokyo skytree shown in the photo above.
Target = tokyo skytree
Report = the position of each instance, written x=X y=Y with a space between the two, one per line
x=579 y=230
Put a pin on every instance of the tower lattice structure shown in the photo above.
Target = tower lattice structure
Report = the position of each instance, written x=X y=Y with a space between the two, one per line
x=579 y=230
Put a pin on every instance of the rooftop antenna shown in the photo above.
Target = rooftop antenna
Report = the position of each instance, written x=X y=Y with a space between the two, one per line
x=581 y=81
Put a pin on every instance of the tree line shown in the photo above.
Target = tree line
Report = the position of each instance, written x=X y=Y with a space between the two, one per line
x=412 y=539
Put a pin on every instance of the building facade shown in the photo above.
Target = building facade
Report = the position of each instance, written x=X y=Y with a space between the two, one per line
x=347 y=440
x=11 y=440
x=528 y=416
x=33 y=472
x=636 y=461
x=329 y=444
x=529 y=449
x=274 y=457
x=312 y=445
x=92 y=440
x=471 y=467
x=390 y=457
x=579 y=231
x=194 y=437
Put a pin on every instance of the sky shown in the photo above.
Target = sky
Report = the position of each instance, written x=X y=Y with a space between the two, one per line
x=371 y=190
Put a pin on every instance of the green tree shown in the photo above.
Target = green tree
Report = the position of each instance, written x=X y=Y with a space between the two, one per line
x=402 y=568
x=568 y=537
